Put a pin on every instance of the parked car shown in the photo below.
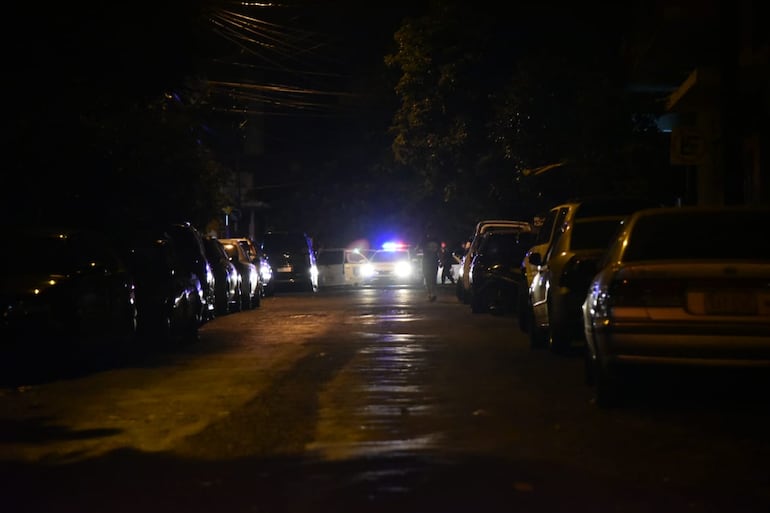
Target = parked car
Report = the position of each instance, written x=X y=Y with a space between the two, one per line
x=251 y=289
x=340 y=267
x=188 y=243
x=292 y=260
x=580 y=231
x=686 y=286
x=227 y=278
x=63 y=287
x=169 y=295
x=495 y=272
x=392 y=265
x=259 y=259
x=463 y=284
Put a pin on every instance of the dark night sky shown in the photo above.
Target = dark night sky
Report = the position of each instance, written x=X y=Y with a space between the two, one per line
x=72 y=52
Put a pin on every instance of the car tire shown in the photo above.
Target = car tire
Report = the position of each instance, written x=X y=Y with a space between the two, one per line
x=221 y=303
x=245 y=298
x=497 y=302
x=237 y=301
x=236 y=304
x=460 y=291
x=558 y=343
x=478 y=302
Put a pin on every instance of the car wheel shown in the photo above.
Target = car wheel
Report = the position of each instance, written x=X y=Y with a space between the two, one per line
x=497 y=302
x=222 y=305
x=478 y=302
x=161 y=330
x=460 y=291
x=245 y=297
x=557 y=342
x=256 y=301
x=236 y=304
x=127 y=324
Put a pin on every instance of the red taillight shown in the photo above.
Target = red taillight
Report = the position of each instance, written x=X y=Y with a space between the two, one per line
x=647 y=292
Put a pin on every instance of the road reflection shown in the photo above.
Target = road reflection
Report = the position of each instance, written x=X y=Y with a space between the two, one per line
x=380 y=403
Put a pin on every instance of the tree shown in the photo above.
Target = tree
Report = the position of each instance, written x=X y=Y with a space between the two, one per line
x=447 y=62
x=486 y=101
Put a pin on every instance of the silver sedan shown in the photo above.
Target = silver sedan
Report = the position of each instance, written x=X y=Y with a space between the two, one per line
x=685 y=286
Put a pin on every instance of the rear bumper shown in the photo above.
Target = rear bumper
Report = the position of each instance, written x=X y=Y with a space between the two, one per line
x=683 y=344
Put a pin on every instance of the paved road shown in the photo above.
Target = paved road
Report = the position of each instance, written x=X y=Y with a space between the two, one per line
x=374 y=400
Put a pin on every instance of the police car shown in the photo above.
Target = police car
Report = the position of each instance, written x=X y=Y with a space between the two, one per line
x=393 y=264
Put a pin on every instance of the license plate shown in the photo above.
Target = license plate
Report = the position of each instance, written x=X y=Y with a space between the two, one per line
x=284 y=269
x=730 y=303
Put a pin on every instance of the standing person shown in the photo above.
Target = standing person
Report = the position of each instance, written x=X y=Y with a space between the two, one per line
x=430 y=260
x=446 y=257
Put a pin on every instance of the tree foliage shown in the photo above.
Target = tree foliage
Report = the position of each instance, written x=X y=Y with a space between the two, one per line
x=484 y=102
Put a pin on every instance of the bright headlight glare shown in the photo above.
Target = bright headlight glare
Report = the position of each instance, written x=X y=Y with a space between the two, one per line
x=403 y=269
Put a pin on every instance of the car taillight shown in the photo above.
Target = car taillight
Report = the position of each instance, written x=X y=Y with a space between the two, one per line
x=658 y=292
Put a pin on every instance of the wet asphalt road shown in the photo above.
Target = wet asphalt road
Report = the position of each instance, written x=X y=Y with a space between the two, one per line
x=373 y=400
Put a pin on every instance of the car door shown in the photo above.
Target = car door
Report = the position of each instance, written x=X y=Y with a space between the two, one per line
x=331 y=267
x=351 y=268
x=538 y=289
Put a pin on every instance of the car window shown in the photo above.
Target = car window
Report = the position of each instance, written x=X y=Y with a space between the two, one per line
x=544 y=234
x=232 y=250
x=593 y=233
x=248 y=249
x=558 y=230
x=284 y=242
x=390 y=256
x=705 y=236
x=354 y=257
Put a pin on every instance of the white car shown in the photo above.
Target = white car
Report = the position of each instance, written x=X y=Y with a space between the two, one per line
x=391 y=266
x=340 y=267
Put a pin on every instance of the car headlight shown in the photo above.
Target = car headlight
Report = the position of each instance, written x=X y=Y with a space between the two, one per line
x=403 y=269
x=265 y=272
x=367 y=270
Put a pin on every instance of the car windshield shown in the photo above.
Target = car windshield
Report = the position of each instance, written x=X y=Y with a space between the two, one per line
x=700 y=236
x=390 y=256
x=231 y=250
x=593 y=233
x=291 y=242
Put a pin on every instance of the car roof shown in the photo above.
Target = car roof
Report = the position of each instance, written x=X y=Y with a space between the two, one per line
x=487 y=224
